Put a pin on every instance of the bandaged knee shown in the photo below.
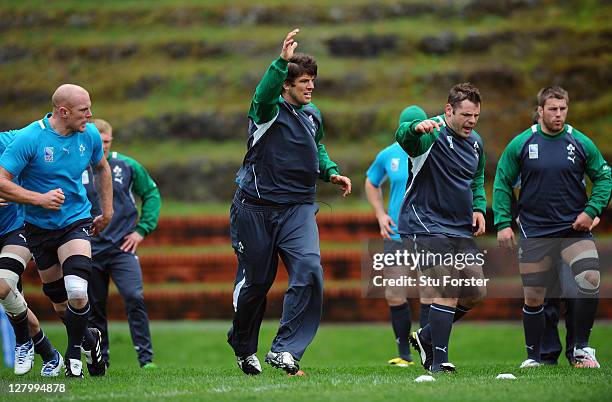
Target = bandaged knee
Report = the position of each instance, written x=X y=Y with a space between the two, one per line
x=76 y=287
x=13 y=303
x=586 y=272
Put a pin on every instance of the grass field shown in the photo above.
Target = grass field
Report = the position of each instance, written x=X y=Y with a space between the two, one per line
x=345 y=362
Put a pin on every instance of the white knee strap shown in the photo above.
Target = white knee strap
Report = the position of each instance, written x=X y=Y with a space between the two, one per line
x=13 y=303
x=76 y=287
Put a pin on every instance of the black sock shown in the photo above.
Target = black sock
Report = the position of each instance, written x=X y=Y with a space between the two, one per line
x=441 y=323
x=584 y=317
x=533 y=324
x=424 y=314
x=400 y=320
x=43 y=347
x=20 y=327
x=76 y=325
x=460 y=311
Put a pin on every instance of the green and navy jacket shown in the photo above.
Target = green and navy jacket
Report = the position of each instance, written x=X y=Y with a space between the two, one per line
x=447 y=181
x=551 y=170
x=129 y=178
x=285 y=155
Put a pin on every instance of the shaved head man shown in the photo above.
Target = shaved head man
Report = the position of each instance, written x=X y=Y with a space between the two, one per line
x=71 y=109
x=49 y=156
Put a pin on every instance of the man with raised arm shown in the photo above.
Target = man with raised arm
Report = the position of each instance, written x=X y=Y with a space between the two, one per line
x=273 y=212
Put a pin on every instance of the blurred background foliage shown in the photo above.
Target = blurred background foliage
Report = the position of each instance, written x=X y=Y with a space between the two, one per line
x=175 y=78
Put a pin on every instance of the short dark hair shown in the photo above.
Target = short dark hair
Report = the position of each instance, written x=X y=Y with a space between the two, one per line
x=463 y=91
x=535 y=116
x=555 y=92
x=301 y=64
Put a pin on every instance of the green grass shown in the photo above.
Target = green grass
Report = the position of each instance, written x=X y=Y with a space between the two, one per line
x=345 y=362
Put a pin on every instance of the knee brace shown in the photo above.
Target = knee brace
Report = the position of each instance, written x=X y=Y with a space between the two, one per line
x=536 y=279
x=13 y=303
x=585 y=268
x=77 y=265
x=76 y=287
x=55 y=291
x=12 y=262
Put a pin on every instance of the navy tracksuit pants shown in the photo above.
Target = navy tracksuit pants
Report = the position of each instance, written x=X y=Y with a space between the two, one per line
x=260 y=234
x=125 y=270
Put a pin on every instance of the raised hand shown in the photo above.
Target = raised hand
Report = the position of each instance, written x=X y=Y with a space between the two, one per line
x=289 y=45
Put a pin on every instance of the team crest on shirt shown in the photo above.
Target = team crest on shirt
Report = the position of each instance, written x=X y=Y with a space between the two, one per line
x=118 y=174
x=395 y=164
x=312 y=123
x=533 y=151
x=476 y=149
x=82 y=149
x=570 y=153
x=48 y=154
x=449 y=138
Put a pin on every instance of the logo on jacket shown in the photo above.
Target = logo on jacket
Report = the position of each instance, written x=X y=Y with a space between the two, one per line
x=118 y=174
x=570 y=153
x=449 y=138
x=314 y=126
x=395 y=164
x=48 y=154
x=476 y=149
